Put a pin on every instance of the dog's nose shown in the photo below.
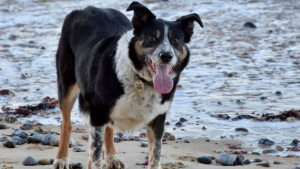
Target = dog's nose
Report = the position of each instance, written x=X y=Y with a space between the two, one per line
x=165 y=57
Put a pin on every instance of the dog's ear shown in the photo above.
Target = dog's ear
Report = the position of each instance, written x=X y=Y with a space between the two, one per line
x=142 y=15
x=187 y=24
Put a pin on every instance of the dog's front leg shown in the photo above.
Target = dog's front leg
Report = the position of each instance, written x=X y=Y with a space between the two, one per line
x=95 y=143
x=155 y=131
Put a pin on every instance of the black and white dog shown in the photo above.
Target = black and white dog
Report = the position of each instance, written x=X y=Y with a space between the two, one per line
x=124 y=74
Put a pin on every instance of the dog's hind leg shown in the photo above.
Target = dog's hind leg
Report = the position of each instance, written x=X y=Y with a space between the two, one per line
x=155 y=131
x=61 y=161
x=96 y=143
x=112 y=161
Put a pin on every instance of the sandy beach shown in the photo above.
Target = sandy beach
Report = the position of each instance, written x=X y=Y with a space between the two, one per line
x=131 y=152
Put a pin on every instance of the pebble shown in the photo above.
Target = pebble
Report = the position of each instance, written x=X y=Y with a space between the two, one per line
x=54 y=143
x=182 y=120
x=247 y=162
x=167 y=123
x=144 y=144
x=76 y=166
x=269 y=151
x=9 y=144
x=241 y=129
x=263 y=98
x=47 y=139
x=33 y=140
x=44 y=162
x=277 y=162
x=17 y=138
x=72 y=143
x=143 y=134
x=266 y=142
x=204 y=159
x=21 y=133
x=225 y=159
x=264 y=164
x=10 y=119
x=171 y=137
x=279 y=148
x=278 y=93
x=298 y=166
x=186 y=141
x=249 y=25
x=239 y=160
x=51 y=161
x=39 y=136
x=3 y=126
x=117 y=140
x=27 y=126
x=295 y=142
x=256 y=153
x=257 y=160
x=78 y=150
x=4 y=138
x=30 y=161
x=178 y=124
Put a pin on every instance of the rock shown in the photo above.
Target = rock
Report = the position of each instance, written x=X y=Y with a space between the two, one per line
x=266 y=142
x=257 y=160
x=21 y=133
x=51 y=161
x=40 y=137
x=143 y=134
x=249 y=25
x=76 y=166
x=30 y=161
x=85 y=137
x=167 y=123
x=17 y=138
x=144 y=144
x=72 y=143
x=279 y=148
x=10 y=119
x=264 y=164
x=225 y=159
x=78 y=150
x=204 y=159
x=33 y=140
x=44 y=162
x=295 y=142
x=182 y=120
x=269 y=151
x=241 y=129
x=3 y=126
x=277 y=162
x=120 y=134
x=27 y=126
x=117 y=140
x=239 y=160
x=186 y=141
x=178 y=124
x=9 y=144
x=54 y=143
x=247 y=162
x=298 y=166
x=147 y=157
x=256 y=153
x=278 y=93
x=4 y=138
x=263 y=98
x=171 y=137
x=47 y=139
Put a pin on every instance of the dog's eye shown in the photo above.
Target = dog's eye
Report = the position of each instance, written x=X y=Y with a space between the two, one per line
x=152 y=39
x=175 y=41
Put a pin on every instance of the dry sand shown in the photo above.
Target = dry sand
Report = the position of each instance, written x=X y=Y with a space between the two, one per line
x=131 y=152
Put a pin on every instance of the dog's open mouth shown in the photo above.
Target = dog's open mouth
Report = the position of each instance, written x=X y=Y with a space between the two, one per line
x=162 y=81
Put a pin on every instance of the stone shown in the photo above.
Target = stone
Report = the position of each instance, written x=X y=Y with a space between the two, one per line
x=256 y=153
x=4 y=138
x=204 y=159
x=44 y=162
x=54 y=143
x=182 y=120
x=3 y=126
x=257 y=160
x=40 y=137
x=178 y=124
x=72 y=143
x=171 y=137
x=278 y=93
x=21 y=133
x=247 y=162
x=9 y=144
x=269 y=151
x=27 y=126
x=298 y=166
x=144 y=144
x=33 y=140
x=51 y=161
x=279 y=148
x=47 y=139
x=186 y=141
x=241 y=129
x=277 y=162
x=239 y=160
x=78 y=150
x=264 y=164
x=225 y=159
x=17 y=138
x=76 y=166
x=30 y=161
x=249 y=25
x=143 y=134
x=266 y=142
x=295 y=142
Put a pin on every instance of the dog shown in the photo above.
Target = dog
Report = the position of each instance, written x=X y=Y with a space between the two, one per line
x=124 y=75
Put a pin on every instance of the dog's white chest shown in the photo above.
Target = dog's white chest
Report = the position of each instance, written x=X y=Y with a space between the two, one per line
x=135 y=109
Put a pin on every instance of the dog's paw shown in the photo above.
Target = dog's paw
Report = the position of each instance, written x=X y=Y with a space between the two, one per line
x=61 y=163
x=112 y=162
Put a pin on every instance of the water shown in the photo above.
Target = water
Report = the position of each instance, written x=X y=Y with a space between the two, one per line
x=228 y=62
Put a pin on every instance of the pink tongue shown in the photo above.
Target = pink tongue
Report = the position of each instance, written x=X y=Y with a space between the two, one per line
x=162 y=81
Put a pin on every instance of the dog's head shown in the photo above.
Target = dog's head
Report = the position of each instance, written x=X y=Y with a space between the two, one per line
x=158 y=49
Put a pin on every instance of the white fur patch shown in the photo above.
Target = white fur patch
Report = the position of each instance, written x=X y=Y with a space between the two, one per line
x=61 y=163
x=134 y=109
